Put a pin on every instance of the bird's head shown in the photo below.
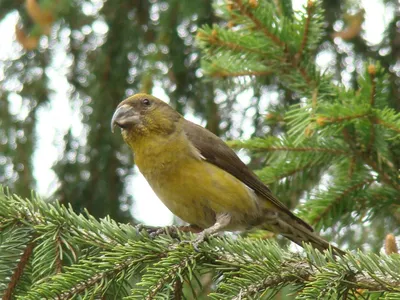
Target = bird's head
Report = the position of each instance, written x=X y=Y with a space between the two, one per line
x=143 y=114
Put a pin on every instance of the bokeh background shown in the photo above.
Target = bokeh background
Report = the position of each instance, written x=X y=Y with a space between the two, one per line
x=65 y=65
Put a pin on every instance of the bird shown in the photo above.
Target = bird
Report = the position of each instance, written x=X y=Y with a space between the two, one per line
x=200 y=178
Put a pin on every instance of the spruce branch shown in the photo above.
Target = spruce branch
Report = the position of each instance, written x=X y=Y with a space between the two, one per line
x=334 y=281
x=247 y=275
x=16 y=245
x=348 y=202
x=293 y=171
x=276 y=40
x=286 y=144
x=309 y=10
x=372 y=72
x=246 y=145
x=178 y=293
x=323 y=120
x=58 y=262
x=230 y=64
x=369 y=161
x=393 y=127
x=342 y=196
x=243 y=266
x=98 y=278
x=177 y=264
x=16 y=276
x=352 y=166
x=259 y=26
x=305 y=149
x=245 y=10
x=98 y=272
x=314 y=100
x=283 y=170
x=52 y=247
x=222 y=39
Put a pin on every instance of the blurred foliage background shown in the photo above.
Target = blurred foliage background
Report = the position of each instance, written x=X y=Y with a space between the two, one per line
x=96 y=53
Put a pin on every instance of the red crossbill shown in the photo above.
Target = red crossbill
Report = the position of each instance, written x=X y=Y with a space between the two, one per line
x=199 y=178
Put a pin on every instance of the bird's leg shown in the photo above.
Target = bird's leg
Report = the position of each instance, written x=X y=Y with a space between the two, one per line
x=222 y=220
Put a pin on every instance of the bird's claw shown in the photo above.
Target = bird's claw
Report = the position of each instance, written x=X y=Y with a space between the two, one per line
x=139 y=228
x=171 y=230
x=155 y=231
x=200 y=238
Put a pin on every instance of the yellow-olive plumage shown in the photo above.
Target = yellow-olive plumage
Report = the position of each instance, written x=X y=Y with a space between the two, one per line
x=199 y=178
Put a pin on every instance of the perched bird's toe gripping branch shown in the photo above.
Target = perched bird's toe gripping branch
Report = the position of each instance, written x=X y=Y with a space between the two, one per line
x=199 y=178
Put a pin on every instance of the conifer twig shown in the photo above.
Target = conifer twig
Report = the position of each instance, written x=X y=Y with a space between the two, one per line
x=300 y=149
x=58 y=253
x=322 y=120
x=385 y=177
x=172 y=272
x=372 y=73
x=300 y=271
x=314 y=101
x=166 y=262
x=293 y=171
x=387 y=125
x=350 y=189
x=310 y=7
x=301 y=276
x=244 y=10
x=215 y=40
x=178 y=290
x=275 y=39
x=278 y=5
x=352 y=165
x=82 y=286
x=19 y=270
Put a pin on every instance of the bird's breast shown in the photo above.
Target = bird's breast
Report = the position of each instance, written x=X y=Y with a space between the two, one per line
x=194 y=189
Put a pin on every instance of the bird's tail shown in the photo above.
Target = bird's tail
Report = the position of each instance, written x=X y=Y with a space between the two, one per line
x=296 y=230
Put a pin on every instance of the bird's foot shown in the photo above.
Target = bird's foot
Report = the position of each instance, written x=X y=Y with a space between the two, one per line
x=156 y=231
x=200 y=238
x=222 y=221
x=140 y=227
x=169 y=230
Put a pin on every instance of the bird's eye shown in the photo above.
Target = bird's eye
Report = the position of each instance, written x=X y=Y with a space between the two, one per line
x=146 y=102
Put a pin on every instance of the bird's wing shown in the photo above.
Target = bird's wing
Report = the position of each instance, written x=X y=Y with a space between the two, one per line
x=215 y=151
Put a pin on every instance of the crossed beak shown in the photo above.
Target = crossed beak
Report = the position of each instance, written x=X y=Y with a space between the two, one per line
x=124 y=117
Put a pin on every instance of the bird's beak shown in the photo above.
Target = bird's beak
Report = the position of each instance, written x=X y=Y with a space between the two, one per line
x=124 y=117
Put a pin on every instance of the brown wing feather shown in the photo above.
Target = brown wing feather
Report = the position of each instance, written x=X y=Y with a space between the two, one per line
x=215 y=151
